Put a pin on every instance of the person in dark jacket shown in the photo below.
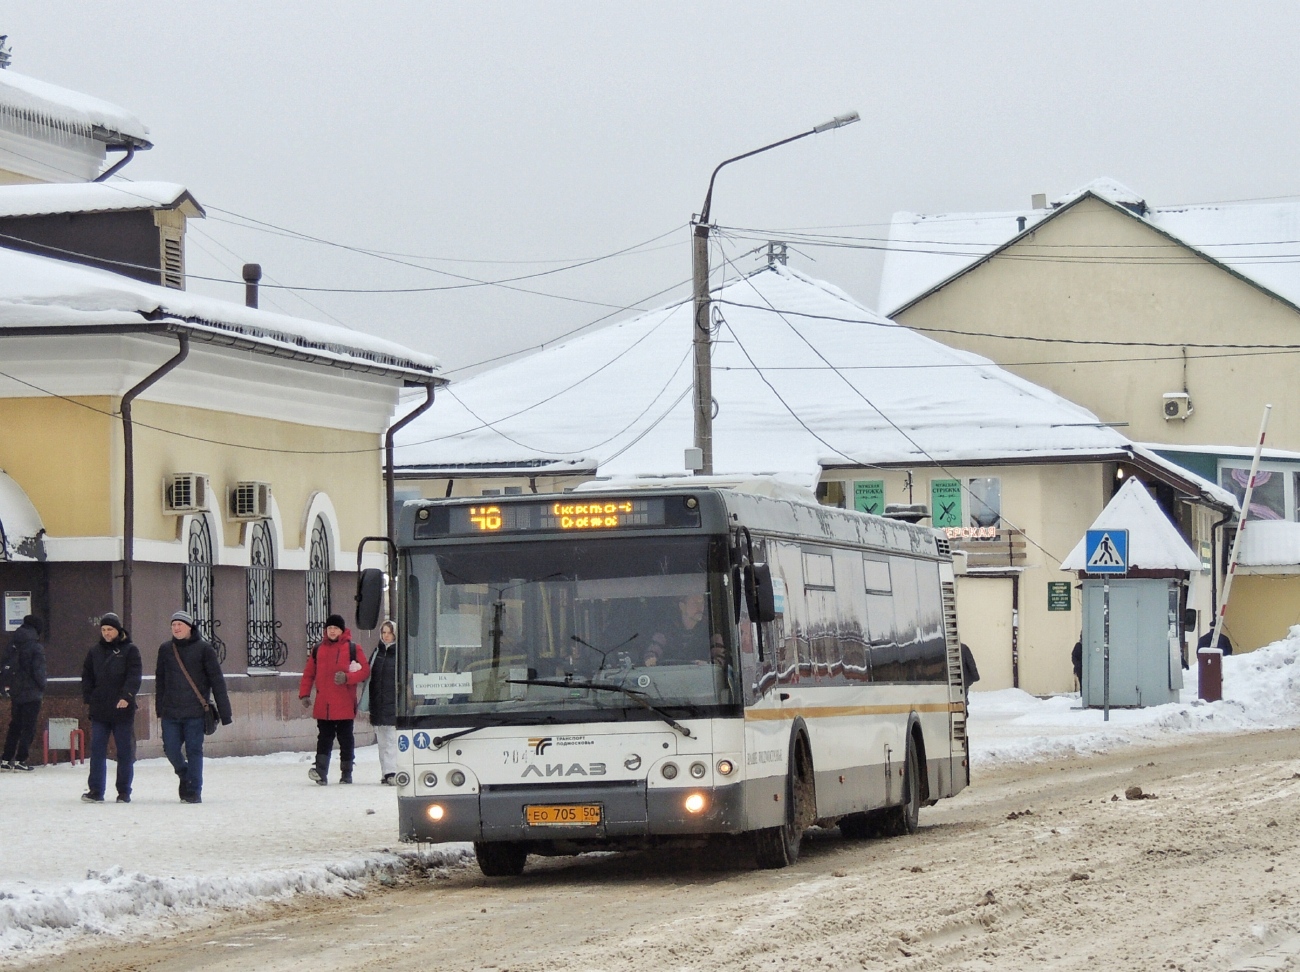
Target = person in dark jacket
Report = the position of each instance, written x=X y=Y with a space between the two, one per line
x=180 y=705
x=110 y=681
x=383 y=700
x=336 y=668
x=24 y=681
x=1224 y=644
x=1076 y=661
x=969 y=673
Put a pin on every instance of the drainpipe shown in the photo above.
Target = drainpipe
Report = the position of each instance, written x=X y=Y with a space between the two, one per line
x=128 y=488
x=119 y=164
x=390 y=489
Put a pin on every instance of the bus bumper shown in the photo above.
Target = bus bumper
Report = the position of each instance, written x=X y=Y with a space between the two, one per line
x=625 y=812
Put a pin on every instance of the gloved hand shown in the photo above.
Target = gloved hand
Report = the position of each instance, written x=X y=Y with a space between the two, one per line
x=340 y=678
x=306 y=701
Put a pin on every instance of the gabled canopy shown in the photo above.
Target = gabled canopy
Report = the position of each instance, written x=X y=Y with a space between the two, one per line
x=1154 y=543
x=20 y=524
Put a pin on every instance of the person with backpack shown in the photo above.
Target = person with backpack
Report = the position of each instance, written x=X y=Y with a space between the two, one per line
x=335 y=668
x=110 y=681
x=187 y=677
x=22 y=678
x=383 y=700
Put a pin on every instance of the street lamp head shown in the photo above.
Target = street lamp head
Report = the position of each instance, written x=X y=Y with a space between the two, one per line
x=839 y=121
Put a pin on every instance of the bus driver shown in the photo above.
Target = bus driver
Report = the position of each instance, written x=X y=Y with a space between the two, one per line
x=683 y=640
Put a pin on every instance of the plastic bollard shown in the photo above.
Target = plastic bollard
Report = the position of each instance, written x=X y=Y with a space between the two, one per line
x=1209 y=667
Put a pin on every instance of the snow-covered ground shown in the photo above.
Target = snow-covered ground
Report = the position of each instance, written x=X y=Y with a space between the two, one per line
x=265 y=833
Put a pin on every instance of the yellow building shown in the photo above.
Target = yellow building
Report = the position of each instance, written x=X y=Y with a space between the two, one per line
x=1177 y=324
x=814 y=388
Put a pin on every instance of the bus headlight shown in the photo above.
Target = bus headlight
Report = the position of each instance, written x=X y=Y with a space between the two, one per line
x=695 y=803
x=669 y=771
x=456 y=778
x=435 y=812
x=430 y=780
x=403 y=779
x=726 y=767
x=698 y=770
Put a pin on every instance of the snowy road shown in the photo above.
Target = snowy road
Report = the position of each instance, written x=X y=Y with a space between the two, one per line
x=1042 y=865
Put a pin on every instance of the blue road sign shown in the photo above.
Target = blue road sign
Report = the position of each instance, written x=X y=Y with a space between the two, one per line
x=1106 y=552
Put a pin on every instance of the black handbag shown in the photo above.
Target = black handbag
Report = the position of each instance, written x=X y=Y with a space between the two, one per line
x=209 y=710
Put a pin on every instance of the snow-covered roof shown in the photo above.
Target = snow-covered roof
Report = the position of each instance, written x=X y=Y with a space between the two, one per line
x=93 y=197
x=20 y=524
x=1256 y=240
x=24 y=101
x=617 y=402
x=1154 y=543
x=39 y=292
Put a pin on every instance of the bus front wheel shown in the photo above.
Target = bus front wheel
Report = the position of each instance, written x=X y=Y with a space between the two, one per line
x=505 y=859
x=777 y=847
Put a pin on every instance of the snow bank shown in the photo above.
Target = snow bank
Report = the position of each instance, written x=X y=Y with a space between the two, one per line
x=1261 y=690
x=263 y=833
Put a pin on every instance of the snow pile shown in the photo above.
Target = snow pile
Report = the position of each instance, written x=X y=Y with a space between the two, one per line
x=264 y=833
x=1261 y=690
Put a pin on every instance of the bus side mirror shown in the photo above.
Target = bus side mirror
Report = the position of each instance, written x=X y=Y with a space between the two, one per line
x=370 y=598
x=758 y=589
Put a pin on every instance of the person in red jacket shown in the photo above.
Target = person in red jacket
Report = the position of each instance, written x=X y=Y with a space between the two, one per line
x=335 y=668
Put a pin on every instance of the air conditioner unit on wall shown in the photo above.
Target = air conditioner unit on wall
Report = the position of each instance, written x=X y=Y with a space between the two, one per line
x=1177 y=405
x=250 y=501
x=185 y=493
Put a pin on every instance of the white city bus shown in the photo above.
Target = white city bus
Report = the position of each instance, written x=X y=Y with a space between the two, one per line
x=604 y=670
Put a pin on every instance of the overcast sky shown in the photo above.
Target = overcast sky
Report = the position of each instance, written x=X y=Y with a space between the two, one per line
x=483 y=137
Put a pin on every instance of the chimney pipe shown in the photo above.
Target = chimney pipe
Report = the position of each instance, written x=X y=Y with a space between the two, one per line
x=252 y=274
x=1020 y=224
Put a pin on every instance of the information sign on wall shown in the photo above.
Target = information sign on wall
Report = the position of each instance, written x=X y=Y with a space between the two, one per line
x=945 y=503
x=18 y=604
x=1058 y=595
x=869 y=496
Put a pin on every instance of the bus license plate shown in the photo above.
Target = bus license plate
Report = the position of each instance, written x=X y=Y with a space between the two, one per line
x=563 y=815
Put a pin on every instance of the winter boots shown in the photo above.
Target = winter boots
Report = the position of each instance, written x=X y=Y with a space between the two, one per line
x=346 y=768
x=319 y=773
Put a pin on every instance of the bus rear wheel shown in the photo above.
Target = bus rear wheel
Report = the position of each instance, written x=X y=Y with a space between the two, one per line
x=902 y=820
x=505 y=859
x=777 y=847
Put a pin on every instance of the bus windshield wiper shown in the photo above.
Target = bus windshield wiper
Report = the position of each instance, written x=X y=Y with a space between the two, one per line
x=437 y=742
x=633 y=694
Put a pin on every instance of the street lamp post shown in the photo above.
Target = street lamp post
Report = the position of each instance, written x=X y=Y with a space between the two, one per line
x=702 y=340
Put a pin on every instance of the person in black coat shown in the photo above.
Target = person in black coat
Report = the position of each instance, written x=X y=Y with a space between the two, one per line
x=24 y=681
x=1224 y=644
x=969 y=673
x=383 y=700
x=181 y=706
x=110 y=681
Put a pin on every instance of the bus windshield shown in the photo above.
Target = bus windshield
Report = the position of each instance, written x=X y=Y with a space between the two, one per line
x=540 y=625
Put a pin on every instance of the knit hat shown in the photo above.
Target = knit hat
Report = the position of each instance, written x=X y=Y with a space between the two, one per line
x=184 y=618
x=33 y=622
x=336 y=621
x=113 y=621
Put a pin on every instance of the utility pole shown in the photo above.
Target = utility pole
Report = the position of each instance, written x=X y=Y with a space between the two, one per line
x=702 y=340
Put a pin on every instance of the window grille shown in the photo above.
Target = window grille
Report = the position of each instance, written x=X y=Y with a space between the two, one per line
x=173 y=262
x=198 y=584
x=318 y=583
x=265 y=647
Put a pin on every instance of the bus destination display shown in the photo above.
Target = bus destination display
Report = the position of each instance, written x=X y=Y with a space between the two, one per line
x=577 y=515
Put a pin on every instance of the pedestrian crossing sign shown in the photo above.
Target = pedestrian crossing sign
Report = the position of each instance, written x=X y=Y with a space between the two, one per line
x=1106 y=552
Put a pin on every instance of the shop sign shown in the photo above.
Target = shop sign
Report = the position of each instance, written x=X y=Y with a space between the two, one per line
x=869 y=496
x=945 y=503
x=1058 y=595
